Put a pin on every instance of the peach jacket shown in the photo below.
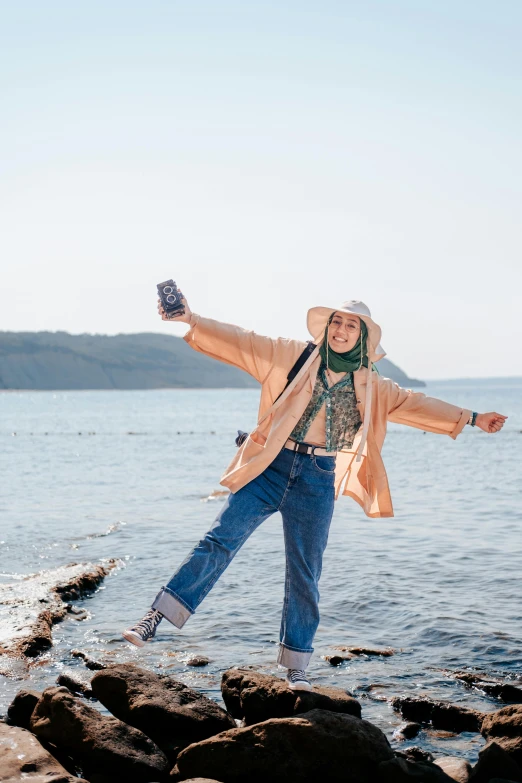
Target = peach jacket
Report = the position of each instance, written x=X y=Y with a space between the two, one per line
x=269 y=362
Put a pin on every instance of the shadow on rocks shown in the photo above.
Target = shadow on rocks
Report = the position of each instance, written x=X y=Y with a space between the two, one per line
x=254 y=697
x=317 y=745
x=166 y=710
x=102 y=746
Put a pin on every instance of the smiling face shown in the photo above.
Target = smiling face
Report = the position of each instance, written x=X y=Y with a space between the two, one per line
x=343 y=332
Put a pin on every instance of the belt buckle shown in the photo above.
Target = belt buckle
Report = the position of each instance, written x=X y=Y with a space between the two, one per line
x=302 y=449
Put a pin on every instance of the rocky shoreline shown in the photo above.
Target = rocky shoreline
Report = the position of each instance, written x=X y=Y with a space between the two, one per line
x=158 y=729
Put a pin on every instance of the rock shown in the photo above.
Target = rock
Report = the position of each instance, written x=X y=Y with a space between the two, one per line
x=101 y=745
x=255 y=697
x=495 y=761
x=317 y=745
x=337 y=660
x=74 y=681
x=455 y=767
x=505 y=727
x=506 y=722
x=441 y=715
x=407 y=731
x=198 y=660
x=37 y=602
x=492 y=686
x=200 y=780
x=398 y=770
x=21 y=708
x=89 y=662
x=22 y=757
x=414 y=753
x=166 y=710
x=366 y=651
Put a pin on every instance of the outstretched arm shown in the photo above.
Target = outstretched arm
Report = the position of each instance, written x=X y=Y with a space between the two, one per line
x=230 y=344
x=415 y=409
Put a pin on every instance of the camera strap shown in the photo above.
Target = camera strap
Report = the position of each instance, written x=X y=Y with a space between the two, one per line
x=297 y=366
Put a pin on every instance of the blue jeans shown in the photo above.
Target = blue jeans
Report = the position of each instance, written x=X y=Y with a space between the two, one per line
x=301 y=487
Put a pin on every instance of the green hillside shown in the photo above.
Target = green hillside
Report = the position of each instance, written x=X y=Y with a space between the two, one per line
x=59 y=360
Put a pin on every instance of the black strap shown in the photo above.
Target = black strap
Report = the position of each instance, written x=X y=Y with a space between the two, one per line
x=310 y=347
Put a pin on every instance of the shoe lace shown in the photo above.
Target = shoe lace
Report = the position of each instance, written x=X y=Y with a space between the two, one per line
x=149 y=623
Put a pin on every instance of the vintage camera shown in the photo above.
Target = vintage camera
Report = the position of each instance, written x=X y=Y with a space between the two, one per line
x=171 y=299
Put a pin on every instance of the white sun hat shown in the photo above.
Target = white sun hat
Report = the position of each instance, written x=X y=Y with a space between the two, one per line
x=317 y=320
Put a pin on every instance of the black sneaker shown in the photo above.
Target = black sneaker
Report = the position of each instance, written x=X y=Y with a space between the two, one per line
x=297 y=680
x=145 y=630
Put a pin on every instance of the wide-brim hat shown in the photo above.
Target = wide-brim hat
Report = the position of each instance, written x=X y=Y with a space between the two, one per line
x=317 y=319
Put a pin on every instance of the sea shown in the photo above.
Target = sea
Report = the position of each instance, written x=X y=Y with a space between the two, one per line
x=134 y=475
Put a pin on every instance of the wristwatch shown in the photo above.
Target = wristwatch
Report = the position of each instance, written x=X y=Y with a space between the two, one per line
x=473 y=418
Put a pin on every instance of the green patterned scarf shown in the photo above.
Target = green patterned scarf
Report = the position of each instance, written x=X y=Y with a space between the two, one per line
x=349 y=361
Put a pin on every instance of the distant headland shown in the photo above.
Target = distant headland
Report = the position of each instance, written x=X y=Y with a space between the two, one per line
x=147 y=360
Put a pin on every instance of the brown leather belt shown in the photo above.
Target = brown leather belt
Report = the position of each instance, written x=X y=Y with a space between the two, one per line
x=303 y=448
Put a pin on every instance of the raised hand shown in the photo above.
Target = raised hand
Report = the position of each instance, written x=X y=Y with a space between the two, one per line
x=490 y=422
x=185 y=318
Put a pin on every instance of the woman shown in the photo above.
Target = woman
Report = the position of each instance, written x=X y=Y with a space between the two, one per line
x=321 y=434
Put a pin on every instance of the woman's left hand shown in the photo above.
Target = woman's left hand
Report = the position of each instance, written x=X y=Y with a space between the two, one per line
x=490 y=422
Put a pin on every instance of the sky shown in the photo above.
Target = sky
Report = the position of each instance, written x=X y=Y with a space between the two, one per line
x=270 y=157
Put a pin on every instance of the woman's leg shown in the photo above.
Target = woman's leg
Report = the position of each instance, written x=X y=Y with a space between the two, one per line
x=242 y=513
x=307 y=512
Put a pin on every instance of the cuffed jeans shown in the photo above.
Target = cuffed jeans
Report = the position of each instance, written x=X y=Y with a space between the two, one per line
x=301 y=487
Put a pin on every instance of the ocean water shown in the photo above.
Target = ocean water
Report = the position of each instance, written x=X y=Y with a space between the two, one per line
x=130 y=475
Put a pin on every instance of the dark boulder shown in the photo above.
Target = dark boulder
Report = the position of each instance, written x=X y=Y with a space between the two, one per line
x=398 y=770
x=21 y=708
x=255 y=697
x=317 y=745
x=406 y=731
x=494 y=761
x=101 y=745
x=166 y=710
x=441 y=715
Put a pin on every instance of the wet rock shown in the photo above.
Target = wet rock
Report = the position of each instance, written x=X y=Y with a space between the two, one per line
x=21 y=708
x=385 y=653
x=492 y=686
x=337 y=660
x=35 y=603
x=198 y=660
x=166 y=710
x=493 y=761
x=101 y=745
x=456 y=768
x=22 y=757
x=398 y=770
x=89 y=662
x=441 y=715
x=414 y=753
x=256 y=697
x=407 y=731
x=317 y=745
x=75 y=682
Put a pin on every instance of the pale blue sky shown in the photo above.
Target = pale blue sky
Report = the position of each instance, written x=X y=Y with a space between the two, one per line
x=269 y=157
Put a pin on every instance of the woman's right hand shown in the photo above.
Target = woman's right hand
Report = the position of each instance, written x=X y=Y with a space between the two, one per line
x=185 y=318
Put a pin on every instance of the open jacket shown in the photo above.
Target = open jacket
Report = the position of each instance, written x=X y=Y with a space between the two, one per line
x=269 y=362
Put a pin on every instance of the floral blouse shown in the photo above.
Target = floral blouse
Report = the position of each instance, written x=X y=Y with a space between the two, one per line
x=342 y=417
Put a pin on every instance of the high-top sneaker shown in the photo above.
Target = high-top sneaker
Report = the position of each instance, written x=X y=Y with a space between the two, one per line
x=297 y=680
x=144 y=630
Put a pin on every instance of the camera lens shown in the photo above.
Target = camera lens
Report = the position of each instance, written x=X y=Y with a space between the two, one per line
x=171 y=299
x=168 y=289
